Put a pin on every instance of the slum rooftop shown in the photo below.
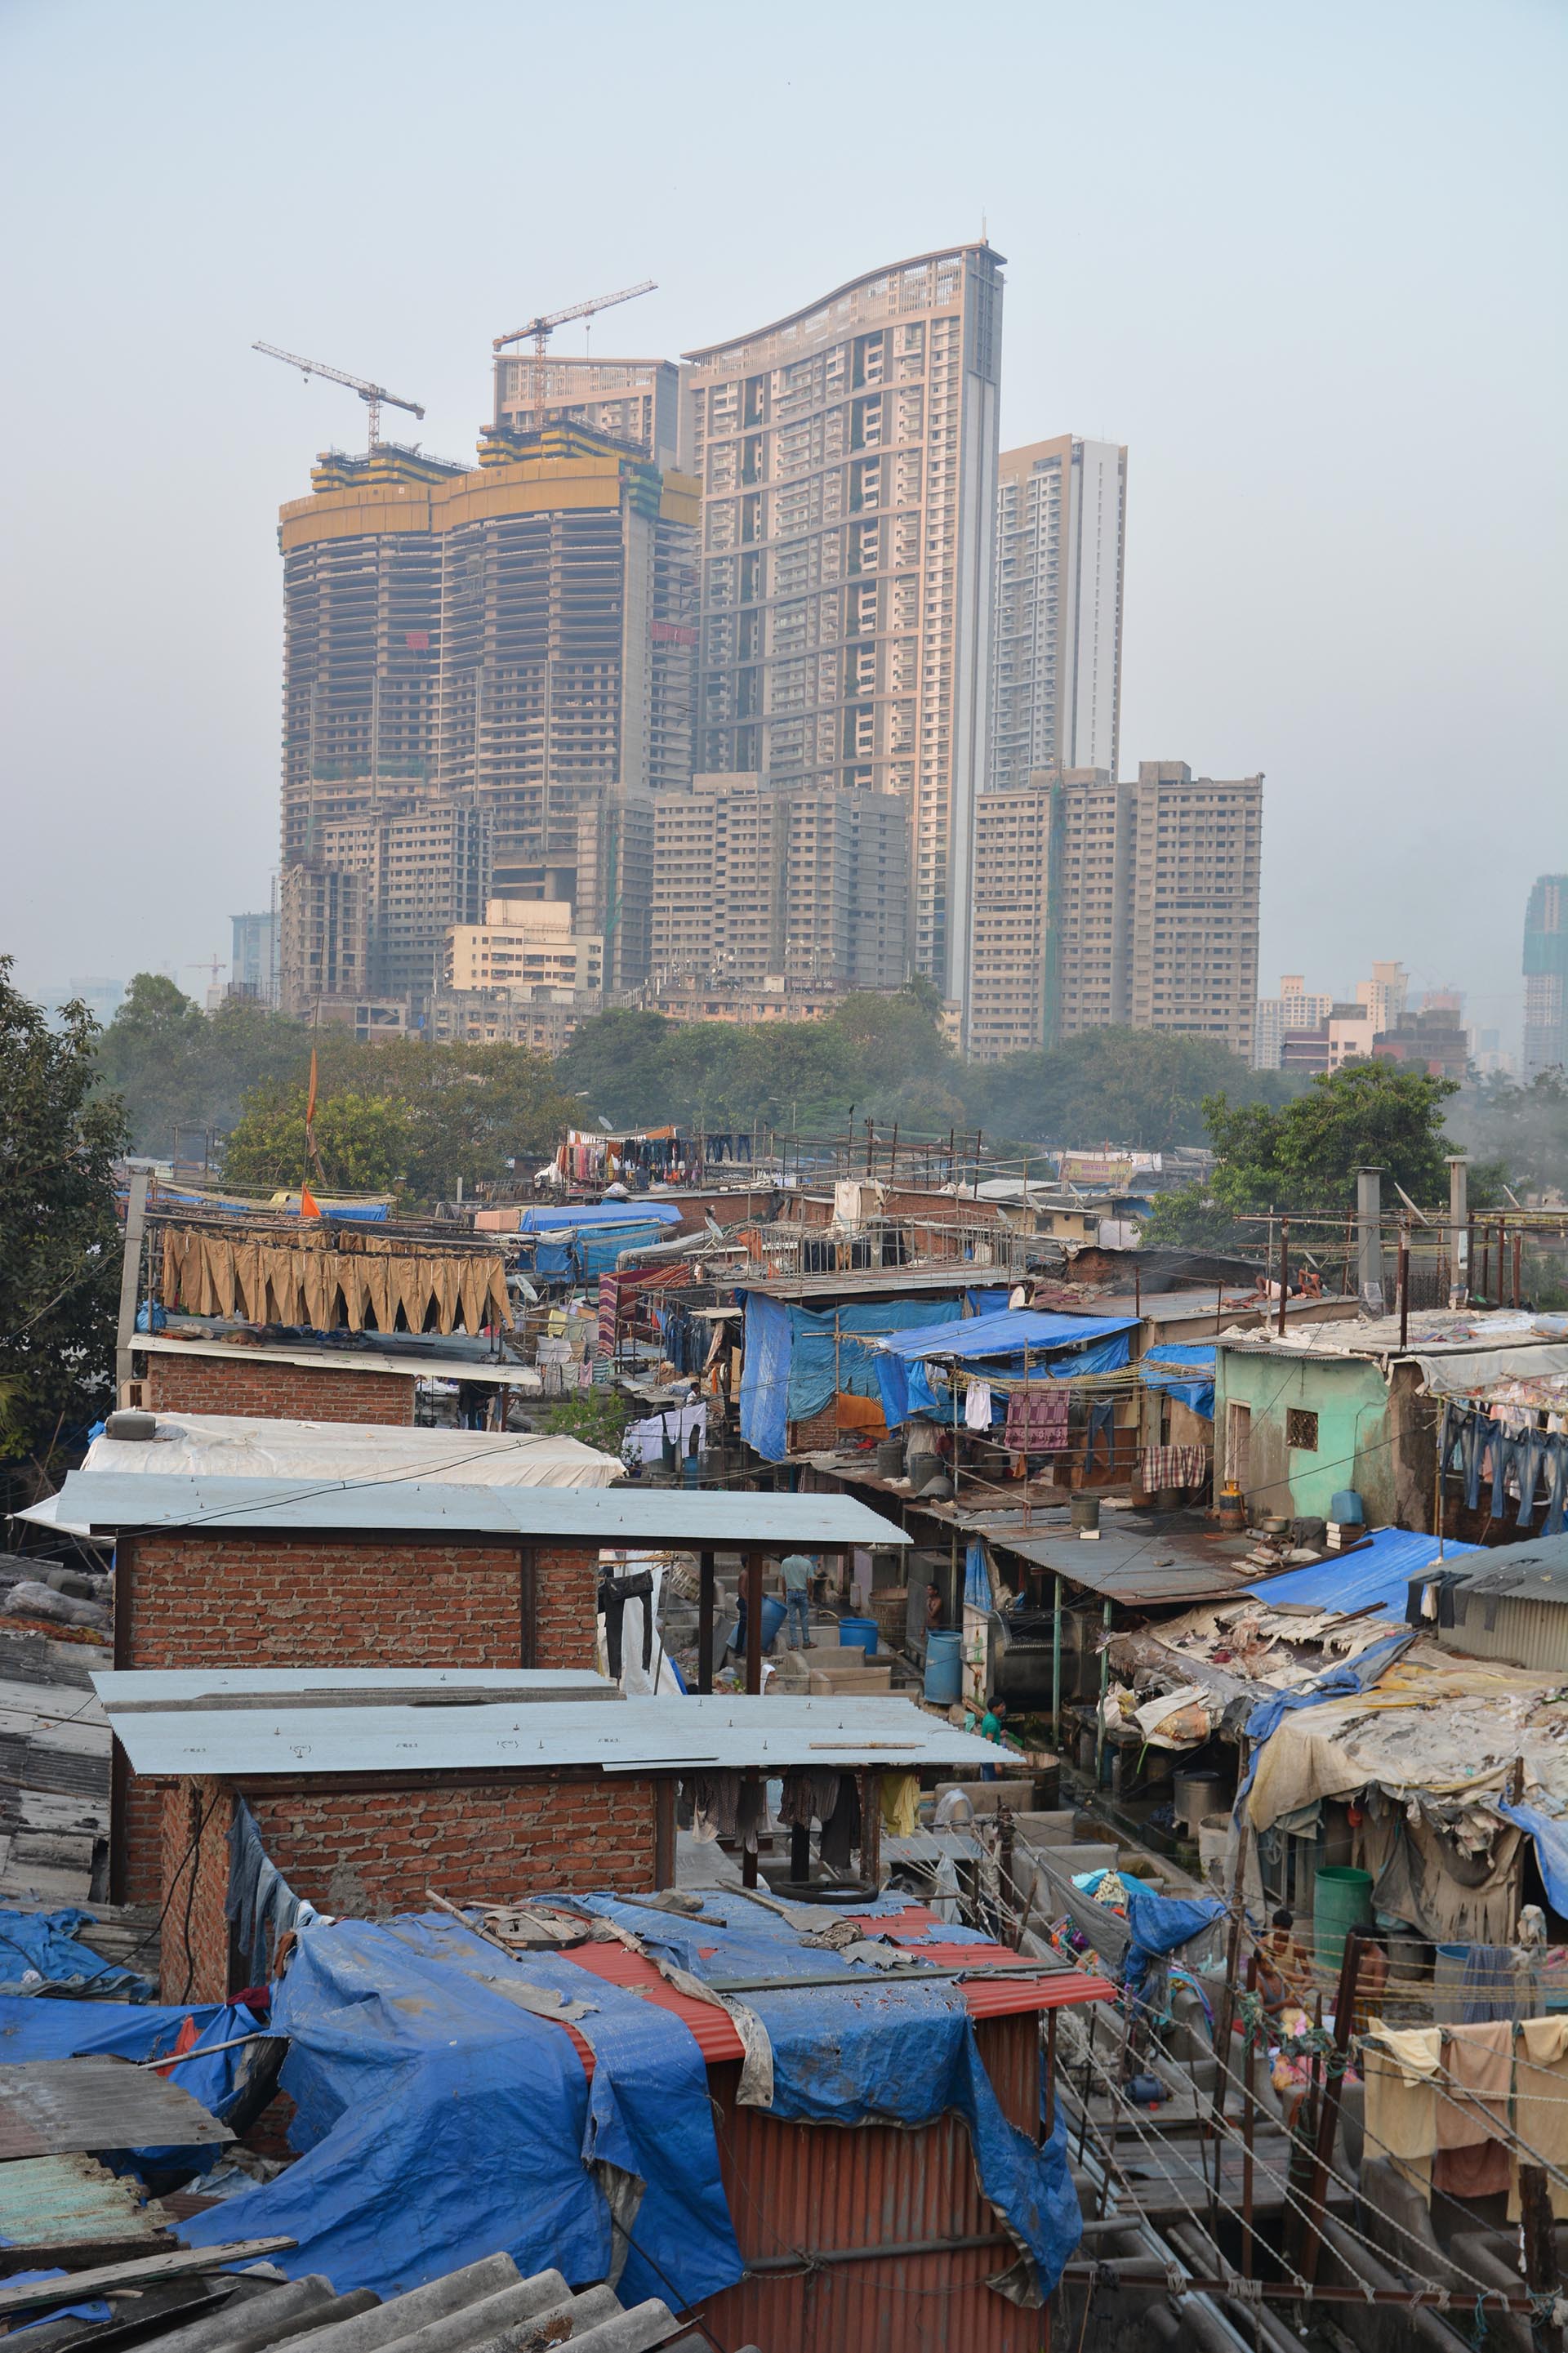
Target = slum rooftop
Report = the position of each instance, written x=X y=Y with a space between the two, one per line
x=1431 y=1331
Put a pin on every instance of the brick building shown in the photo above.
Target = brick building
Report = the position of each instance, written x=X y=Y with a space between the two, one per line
x=368 y=1789
x=402 y=1573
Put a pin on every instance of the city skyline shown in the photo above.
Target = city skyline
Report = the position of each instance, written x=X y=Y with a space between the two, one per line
x=1269 y=625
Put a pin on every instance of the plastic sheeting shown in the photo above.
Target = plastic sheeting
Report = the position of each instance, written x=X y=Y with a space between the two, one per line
x=911 y=1386
x=1377 y=1574
x=1550 y=1850
x=836 y=1349
x=764 y=1377
x=1008 y=1335
x=41 y=2029
x=1185 y=1370
x=440 y=2121
x=571 y=1216
x=45 y=1946
x=235 y=1446
x=1476 y=1372
x=902 y=2054
x=1161 y=1922
x=1346 y=1681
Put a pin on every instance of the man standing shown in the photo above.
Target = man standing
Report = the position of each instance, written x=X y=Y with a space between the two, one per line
x=798 y=1568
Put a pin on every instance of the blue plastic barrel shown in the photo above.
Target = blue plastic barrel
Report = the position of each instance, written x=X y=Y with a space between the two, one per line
x=772 y=1618
x=944 y=1669
x=1346 y=1508
x=862 y=1631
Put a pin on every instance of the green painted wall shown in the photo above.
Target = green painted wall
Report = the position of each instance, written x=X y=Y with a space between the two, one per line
x=1350 y=1398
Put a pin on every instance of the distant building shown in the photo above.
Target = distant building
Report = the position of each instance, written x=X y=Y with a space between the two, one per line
x=1092 y=902
x=1013 y=947
x=751 y=1007
x=1386 y=995
x=1192 y=948
x=1056 y=651
x=369 y=912
x=253 y=973
x=518 y=639
x=636 y=402
x=758 y=882
x=1296 y=1008
x=538 y=1015
x=1435 y=1041
x=1546 y=977
x=102 y=998
x=522 y=943
x=847 y=461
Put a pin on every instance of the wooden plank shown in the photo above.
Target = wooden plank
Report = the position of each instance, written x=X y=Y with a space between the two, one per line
x=136 y=2273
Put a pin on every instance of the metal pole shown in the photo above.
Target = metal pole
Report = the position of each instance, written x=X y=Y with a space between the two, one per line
x=130 y=1269
x=1056 y=1670
x=1518 y=1264
x=1459 y=1271
x=1284 y=1270
x=1540 y=2255
x=704 y=1621
x=1248 y=2113
x=1403 y=1285
x=1104 y=1685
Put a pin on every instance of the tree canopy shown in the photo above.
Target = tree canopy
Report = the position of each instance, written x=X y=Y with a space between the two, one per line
x=1302 y=1157
x=59 y=1240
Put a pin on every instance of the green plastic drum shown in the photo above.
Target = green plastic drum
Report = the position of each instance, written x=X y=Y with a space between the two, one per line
x=1342 y=1902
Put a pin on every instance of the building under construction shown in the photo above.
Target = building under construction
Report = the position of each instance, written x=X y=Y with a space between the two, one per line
x=516 y=640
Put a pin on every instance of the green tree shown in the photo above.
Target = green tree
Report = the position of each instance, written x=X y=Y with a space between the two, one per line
x=595 y=1417
x=365 y=1143
x=1303 y=1158
x=153 y=1056
x=1523 y=1129
x=59 y=1240
x=469 y=1109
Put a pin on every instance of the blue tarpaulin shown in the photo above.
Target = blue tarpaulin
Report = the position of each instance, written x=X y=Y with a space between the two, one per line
x=836 y=1349
x=911 y=1384
x=589 y=1252
x=1161 y=1922
x=900 y=2054
x=39 y=2028
x=764 y=1377
x=1550 y=1850
x=1008 y=1333
x=1184 y=1370
x=441 y=2121
x=1377 y=1574
x=576 y=1215
x=47 y=1944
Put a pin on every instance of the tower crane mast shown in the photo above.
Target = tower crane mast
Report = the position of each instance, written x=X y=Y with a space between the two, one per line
x=541 y=328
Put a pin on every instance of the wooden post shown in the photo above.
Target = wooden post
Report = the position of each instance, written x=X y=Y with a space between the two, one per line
x=1104 y=1686
x=704 y=1621
x=1404 y=1279
x=1247 y=2116
x=1056 y=1670
x=1539 y=2251
x=1284 y=1270
x=1328 y=2122
x=753 y=1574
x=129 y=1276
x=1518 y=1264
x=871 y=1830
x=664 y=1832
x=1049 y=2122
x=800 y=1853
x=1228 y=2002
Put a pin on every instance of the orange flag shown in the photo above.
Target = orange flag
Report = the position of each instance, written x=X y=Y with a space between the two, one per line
x=309 y=1206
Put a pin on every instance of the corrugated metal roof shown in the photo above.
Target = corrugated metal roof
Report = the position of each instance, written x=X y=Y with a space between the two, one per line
x=444 y=1362
x=1377 y=1578
x=718 y=1519
x=69 y=2200
x=1130 y=1566
x=186 y=1687
x=638 y=1735
x=863 y=1282
x=48 y=2108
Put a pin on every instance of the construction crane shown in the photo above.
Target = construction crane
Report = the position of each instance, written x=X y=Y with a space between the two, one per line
x=373 y=395
x=540 y=329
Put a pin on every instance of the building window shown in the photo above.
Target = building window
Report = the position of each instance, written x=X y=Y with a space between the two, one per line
x=1301 y=1431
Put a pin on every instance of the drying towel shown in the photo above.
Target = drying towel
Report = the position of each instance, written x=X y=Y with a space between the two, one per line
x=1541 y=2104
x=977 y=1405
x=901 y=1795
x=1472 y=2161
x=1400 y=2068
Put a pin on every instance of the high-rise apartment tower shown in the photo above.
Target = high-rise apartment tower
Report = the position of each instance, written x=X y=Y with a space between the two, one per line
x=1546 y=977
x=848 y=461
x=1192 y=946
x=1061 y=523
x=634 y=401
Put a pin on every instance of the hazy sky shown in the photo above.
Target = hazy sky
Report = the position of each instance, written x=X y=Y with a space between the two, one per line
x=1305 y=261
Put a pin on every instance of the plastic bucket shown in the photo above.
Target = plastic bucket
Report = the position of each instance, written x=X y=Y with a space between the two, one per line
x=944 y=1669
x=772 y=1618
x=1084 y=1512
x=863 y=1631
x=1343 y=1901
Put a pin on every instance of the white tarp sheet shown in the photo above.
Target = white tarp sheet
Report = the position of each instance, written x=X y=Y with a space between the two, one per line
x=1477 y=1371
x=239 y=1446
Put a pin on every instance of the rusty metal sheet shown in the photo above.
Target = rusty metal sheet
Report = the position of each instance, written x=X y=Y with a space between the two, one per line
x=49 y=2107
x=904 y=2240
x=1137 y=1565
x=71 y=2199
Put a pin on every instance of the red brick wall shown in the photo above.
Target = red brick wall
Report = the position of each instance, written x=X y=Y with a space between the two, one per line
x=371 y=1849
x=240 y=1383
x=204 y=1597
x=196 y=1816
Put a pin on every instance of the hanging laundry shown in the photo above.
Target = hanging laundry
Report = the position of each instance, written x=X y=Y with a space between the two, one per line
x=977 y=1405
x=1036 y=1421
x=900 y=1801
x=1472 y=2159
x=841 y=1831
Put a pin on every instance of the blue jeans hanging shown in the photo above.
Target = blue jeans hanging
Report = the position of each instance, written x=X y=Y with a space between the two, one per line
x=1531 y=1463
x=1473 y=1436
x=1508 y=1454
x=1102 y=1423
x=1558 y=1494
